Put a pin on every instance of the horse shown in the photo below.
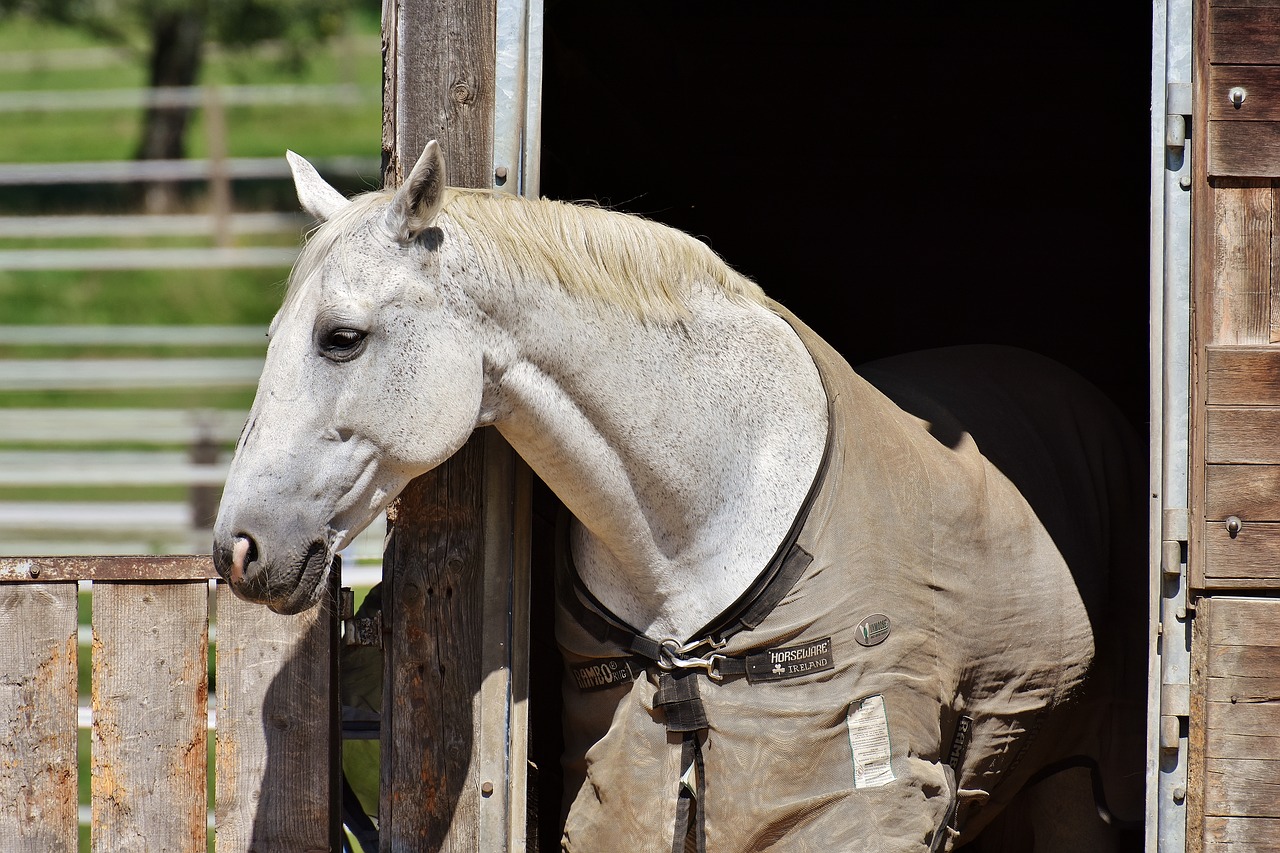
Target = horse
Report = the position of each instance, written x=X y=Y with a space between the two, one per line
x=799 y=606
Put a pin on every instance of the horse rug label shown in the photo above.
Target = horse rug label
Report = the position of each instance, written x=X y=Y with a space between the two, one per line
x=790 y=661
x=869 y=739
x=604 y=674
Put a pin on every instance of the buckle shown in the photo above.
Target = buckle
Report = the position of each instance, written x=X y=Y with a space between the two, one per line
x=673 y=655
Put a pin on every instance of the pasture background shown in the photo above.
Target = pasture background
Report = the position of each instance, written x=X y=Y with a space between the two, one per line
x=50 y=59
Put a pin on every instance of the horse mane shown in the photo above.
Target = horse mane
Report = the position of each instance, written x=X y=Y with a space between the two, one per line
x=617 y=259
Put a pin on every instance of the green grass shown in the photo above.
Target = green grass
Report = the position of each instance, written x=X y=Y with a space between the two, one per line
x=145 y=297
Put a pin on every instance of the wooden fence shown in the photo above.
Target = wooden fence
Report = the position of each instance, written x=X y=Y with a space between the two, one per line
x=277 y=743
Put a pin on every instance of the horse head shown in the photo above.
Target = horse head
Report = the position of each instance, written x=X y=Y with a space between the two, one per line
x=372 y=376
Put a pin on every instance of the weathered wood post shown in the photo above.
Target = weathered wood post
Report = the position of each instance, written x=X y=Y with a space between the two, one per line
x=455 y=590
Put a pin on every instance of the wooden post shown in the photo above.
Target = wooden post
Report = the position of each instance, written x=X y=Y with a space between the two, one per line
x=455 y=588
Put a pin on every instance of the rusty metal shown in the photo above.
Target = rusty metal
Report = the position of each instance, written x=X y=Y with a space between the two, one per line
x=180 y=567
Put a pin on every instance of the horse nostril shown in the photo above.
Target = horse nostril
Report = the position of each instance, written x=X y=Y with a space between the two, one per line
x=243 y=552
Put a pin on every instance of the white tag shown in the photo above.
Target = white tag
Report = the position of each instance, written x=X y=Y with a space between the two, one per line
x=869 y=739
x=689 y=781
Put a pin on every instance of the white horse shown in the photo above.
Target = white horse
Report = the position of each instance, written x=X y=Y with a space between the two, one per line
x=796 y=610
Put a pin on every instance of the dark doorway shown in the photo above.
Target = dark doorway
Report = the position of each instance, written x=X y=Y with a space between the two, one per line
x=902 y=176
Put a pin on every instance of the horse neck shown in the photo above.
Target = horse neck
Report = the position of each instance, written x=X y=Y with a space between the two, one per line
x=683 y=450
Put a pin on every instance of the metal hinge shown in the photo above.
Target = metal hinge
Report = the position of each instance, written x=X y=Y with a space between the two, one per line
x=1177 y=101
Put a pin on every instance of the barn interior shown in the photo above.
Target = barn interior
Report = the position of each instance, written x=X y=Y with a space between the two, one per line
x=902 y=176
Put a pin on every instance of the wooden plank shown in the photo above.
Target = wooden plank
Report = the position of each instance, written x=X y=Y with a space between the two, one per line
x=1238 y=621
x=1243 y=435
x=1250 y=559
x=1244 y=35
x=1242 y=376
x=1242 y=729
x=1241 y=302
x=1196 y=730
x=38 y=770
x=1249 y=492
x=277 y=749
x=1245 y=149
x=1204 y=240
x=159 y=568
x=431 y=789
x=150 y=716
x=1244 y=674
x=1242 y=835
x=1262 y=92
x=439 y=69
x=1242 y=787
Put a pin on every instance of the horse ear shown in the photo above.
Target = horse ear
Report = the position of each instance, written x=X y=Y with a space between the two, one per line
x=416 y=203
x=317 y=197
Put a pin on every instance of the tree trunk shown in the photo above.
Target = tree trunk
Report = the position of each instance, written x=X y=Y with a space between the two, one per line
x=177 y=44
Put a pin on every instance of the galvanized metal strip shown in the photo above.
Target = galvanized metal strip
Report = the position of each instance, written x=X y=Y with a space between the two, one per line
x=1170 y=272
x=38 y=778
x=128 y=568
x=150 y=717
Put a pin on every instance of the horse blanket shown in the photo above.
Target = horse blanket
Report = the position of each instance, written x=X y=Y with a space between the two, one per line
x=950 y=636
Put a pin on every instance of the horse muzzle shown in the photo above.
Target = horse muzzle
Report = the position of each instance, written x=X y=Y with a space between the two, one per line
x=289 y=585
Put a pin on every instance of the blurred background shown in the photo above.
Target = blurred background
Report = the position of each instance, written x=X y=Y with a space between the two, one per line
x=147 y=226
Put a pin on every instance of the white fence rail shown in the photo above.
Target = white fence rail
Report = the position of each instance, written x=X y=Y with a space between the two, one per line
x=124 y=225
x=186 y=96
x=116 y=373
x=150 y=171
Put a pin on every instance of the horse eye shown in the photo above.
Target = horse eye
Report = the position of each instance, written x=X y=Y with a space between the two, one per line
x=342 y=344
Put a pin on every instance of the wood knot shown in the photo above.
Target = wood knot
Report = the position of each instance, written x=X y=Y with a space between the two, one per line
x=462 y=93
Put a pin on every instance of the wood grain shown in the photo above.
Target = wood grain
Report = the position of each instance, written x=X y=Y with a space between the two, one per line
x=1249 y=492
x=1244 y=35
x=1243 y=435
x=277 y=763
x=38 y=770
x=1251 y=559
x=1241 y=835
x=1242 y=787
x=1241 y=303
x=1243 y=376
x=150 y=717
x=439 y=84
x=1247 y=149
x=435 y=546
x=1262 y=92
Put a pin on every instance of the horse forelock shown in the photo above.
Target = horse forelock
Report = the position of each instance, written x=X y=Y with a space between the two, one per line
x=621 y=260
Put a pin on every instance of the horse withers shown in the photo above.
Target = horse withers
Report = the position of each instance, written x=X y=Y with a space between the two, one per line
x=800 y=607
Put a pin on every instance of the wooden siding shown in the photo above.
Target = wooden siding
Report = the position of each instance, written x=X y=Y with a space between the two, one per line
x=1241 y=480
x=1239 y=705
x=1233 y=783
x=1243 y=41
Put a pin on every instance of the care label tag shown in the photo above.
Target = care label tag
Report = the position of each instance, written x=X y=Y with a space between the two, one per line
x=869 y=739
x=611 y=672
x=790 y=661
